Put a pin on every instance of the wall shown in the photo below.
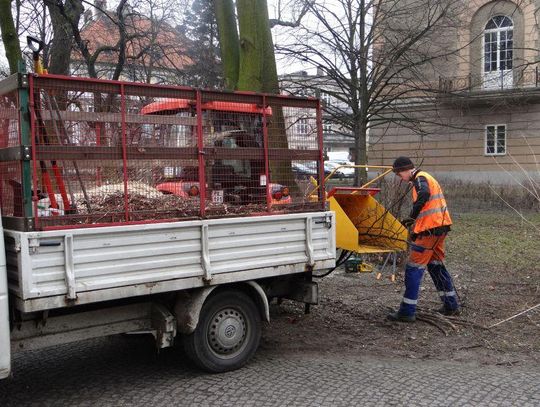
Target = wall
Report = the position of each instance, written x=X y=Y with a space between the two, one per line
x=453 y=143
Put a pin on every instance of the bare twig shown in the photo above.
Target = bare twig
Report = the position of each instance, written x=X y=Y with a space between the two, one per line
x=431 y=322
x=514 y=316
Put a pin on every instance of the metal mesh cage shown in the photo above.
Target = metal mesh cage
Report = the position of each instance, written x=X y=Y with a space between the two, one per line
x=106 y=152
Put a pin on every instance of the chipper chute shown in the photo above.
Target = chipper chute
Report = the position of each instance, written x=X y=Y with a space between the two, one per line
x=363 y=225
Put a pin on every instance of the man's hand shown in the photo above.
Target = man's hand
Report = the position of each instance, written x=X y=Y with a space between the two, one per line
x=407 y=222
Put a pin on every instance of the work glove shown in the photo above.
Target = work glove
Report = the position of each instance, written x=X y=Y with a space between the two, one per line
x=407 y=222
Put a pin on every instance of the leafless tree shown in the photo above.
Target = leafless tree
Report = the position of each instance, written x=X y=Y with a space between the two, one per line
x=372 y=55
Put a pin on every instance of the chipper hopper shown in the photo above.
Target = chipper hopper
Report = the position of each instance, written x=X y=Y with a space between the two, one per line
x=364 y=225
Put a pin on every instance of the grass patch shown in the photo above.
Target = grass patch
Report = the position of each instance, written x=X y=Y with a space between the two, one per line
x=496 y=241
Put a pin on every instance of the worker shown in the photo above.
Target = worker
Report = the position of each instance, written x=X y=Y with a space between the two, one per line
x=429 y=222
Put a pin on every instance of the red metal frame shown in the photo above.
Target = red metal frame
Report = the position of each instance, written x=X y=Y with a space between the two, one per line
x=132 y=96
x=266 y=159
x=98 y=143
x=124 y=150
x=202 y=163
x=33 y=143
x=113 y=82
x=353 y=190
x=321 y=153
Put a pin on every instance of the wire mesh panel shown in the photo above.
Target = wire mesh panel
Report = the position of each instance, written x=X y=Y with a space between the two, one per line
x=119 y=144
x=235 y=160
x=9 y=123
x=11 y=154
x=11 y=193
x=295 y=159
x=107 y=152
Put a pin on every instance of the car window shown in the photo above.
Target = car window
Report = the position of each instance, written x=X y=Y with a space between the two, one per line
x=240 y=167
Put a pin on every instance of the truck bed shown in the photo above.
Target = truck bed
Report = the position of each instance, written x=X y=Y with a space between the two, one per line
x=61 y=268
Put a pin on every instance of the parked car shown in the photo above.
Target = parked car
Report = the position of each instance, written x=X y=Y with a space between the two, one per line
x=347 y=172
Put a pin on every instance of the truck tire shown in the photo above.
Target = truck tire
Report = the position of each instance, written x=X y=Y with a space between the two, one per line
x=227 y=335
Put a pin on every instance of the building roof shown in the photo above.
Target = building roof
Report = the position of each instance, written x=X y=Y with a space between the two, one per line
x=150 y=43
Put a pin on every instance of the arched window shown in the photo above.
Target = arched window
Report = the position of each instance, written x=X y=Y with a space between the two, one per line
x=498 y=45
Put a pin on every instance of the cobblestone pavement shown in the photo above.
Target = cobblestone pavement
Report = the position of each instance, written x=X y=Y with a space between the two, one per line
x=126 y=371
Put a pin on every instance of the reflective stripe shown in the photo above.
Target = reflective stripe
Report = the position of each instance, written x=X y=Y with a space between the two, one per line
x=436 y=196
x=435 y=263
x=447 y=293
x=432 y=211
x=409 y=301
x=417 y=265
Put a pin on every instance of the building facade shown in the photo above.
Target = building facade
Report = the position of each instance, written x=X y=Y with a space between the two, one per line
x=336 y=138
x=154 y=50
x=481 y=122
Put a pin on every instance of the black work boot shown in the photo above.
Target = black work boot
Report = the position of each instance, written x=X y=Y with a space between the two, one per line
x=396 y=316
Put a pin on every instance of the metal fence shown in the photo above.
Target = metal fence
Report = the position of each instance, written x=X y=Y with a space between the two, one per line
x=77 y=152
x=502 y=80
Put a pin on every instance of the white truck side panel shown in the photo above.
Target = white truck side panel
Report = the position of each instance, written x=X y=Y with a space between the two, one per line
x=69 y=263
x=5 y=353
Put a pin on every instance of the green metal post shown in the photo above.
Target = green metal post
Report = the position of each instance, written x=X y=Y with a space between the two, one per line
x=24 y=117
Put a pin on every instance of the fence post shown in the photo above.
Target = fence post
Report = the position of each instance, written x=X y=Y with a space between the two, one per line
x=266 y=156
x=320 y=141
x=124 y=150
x=27 y=139
x=200 y=148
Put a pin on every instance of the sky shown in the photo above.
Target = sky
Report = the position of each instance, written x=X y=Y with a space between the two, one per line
x=279 y=33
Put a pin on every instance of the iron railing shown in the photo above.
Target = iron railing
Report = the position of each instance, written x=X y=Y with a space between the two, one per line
x=515 y=79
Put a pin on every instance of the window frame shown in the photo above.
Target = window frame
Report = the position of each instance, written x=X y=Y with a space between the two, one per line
x=327 y=127
x=302 y=126
x=496 y=134
x=326 y=98
x=497 y=31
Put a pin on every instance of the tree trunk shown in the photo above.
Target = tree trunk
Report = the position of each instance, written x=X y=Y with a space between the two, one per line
x=258 y=72
x=228 y=41
x=360 y=146
x=250 y=64
x=9 y=36
x=251 y=45
x=63 y=35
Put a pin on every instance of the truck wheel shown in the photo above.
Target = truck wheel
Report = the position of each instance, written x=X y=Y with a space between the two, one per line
x=227 y=334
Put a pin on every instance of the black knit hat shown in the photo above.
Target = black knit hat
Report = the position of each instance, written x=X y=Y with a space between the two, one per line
x=402 y=164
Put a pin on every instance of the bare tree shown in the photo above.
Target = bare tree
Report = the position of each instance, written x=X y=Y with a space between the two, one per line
x=372 y=55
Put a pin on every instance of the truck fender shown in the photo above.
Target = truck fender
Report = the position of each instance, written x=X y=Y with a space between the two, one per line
x=187 y=308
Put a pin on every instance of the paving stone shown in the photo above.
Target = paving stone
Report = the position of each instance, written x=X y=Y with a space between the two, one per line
x=127 y=372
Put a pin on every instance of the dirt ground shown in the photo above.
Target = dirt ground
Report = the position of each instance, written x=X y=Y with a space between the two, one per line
x=495 y=261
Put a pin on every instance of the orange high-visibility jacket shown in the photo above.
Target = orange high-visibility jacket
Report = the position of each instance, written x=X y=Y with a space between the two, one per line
x=435 y=212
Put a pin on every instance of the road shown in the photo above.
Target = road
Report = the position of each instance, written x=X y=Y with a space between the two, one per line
x=127 y=371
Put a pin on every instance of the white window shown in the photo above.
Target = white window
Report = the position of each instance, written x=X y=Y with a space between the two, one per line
x=495 y=141
x=302 y=126
x=498 y=52
x=327 y=127
x=326 y=99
